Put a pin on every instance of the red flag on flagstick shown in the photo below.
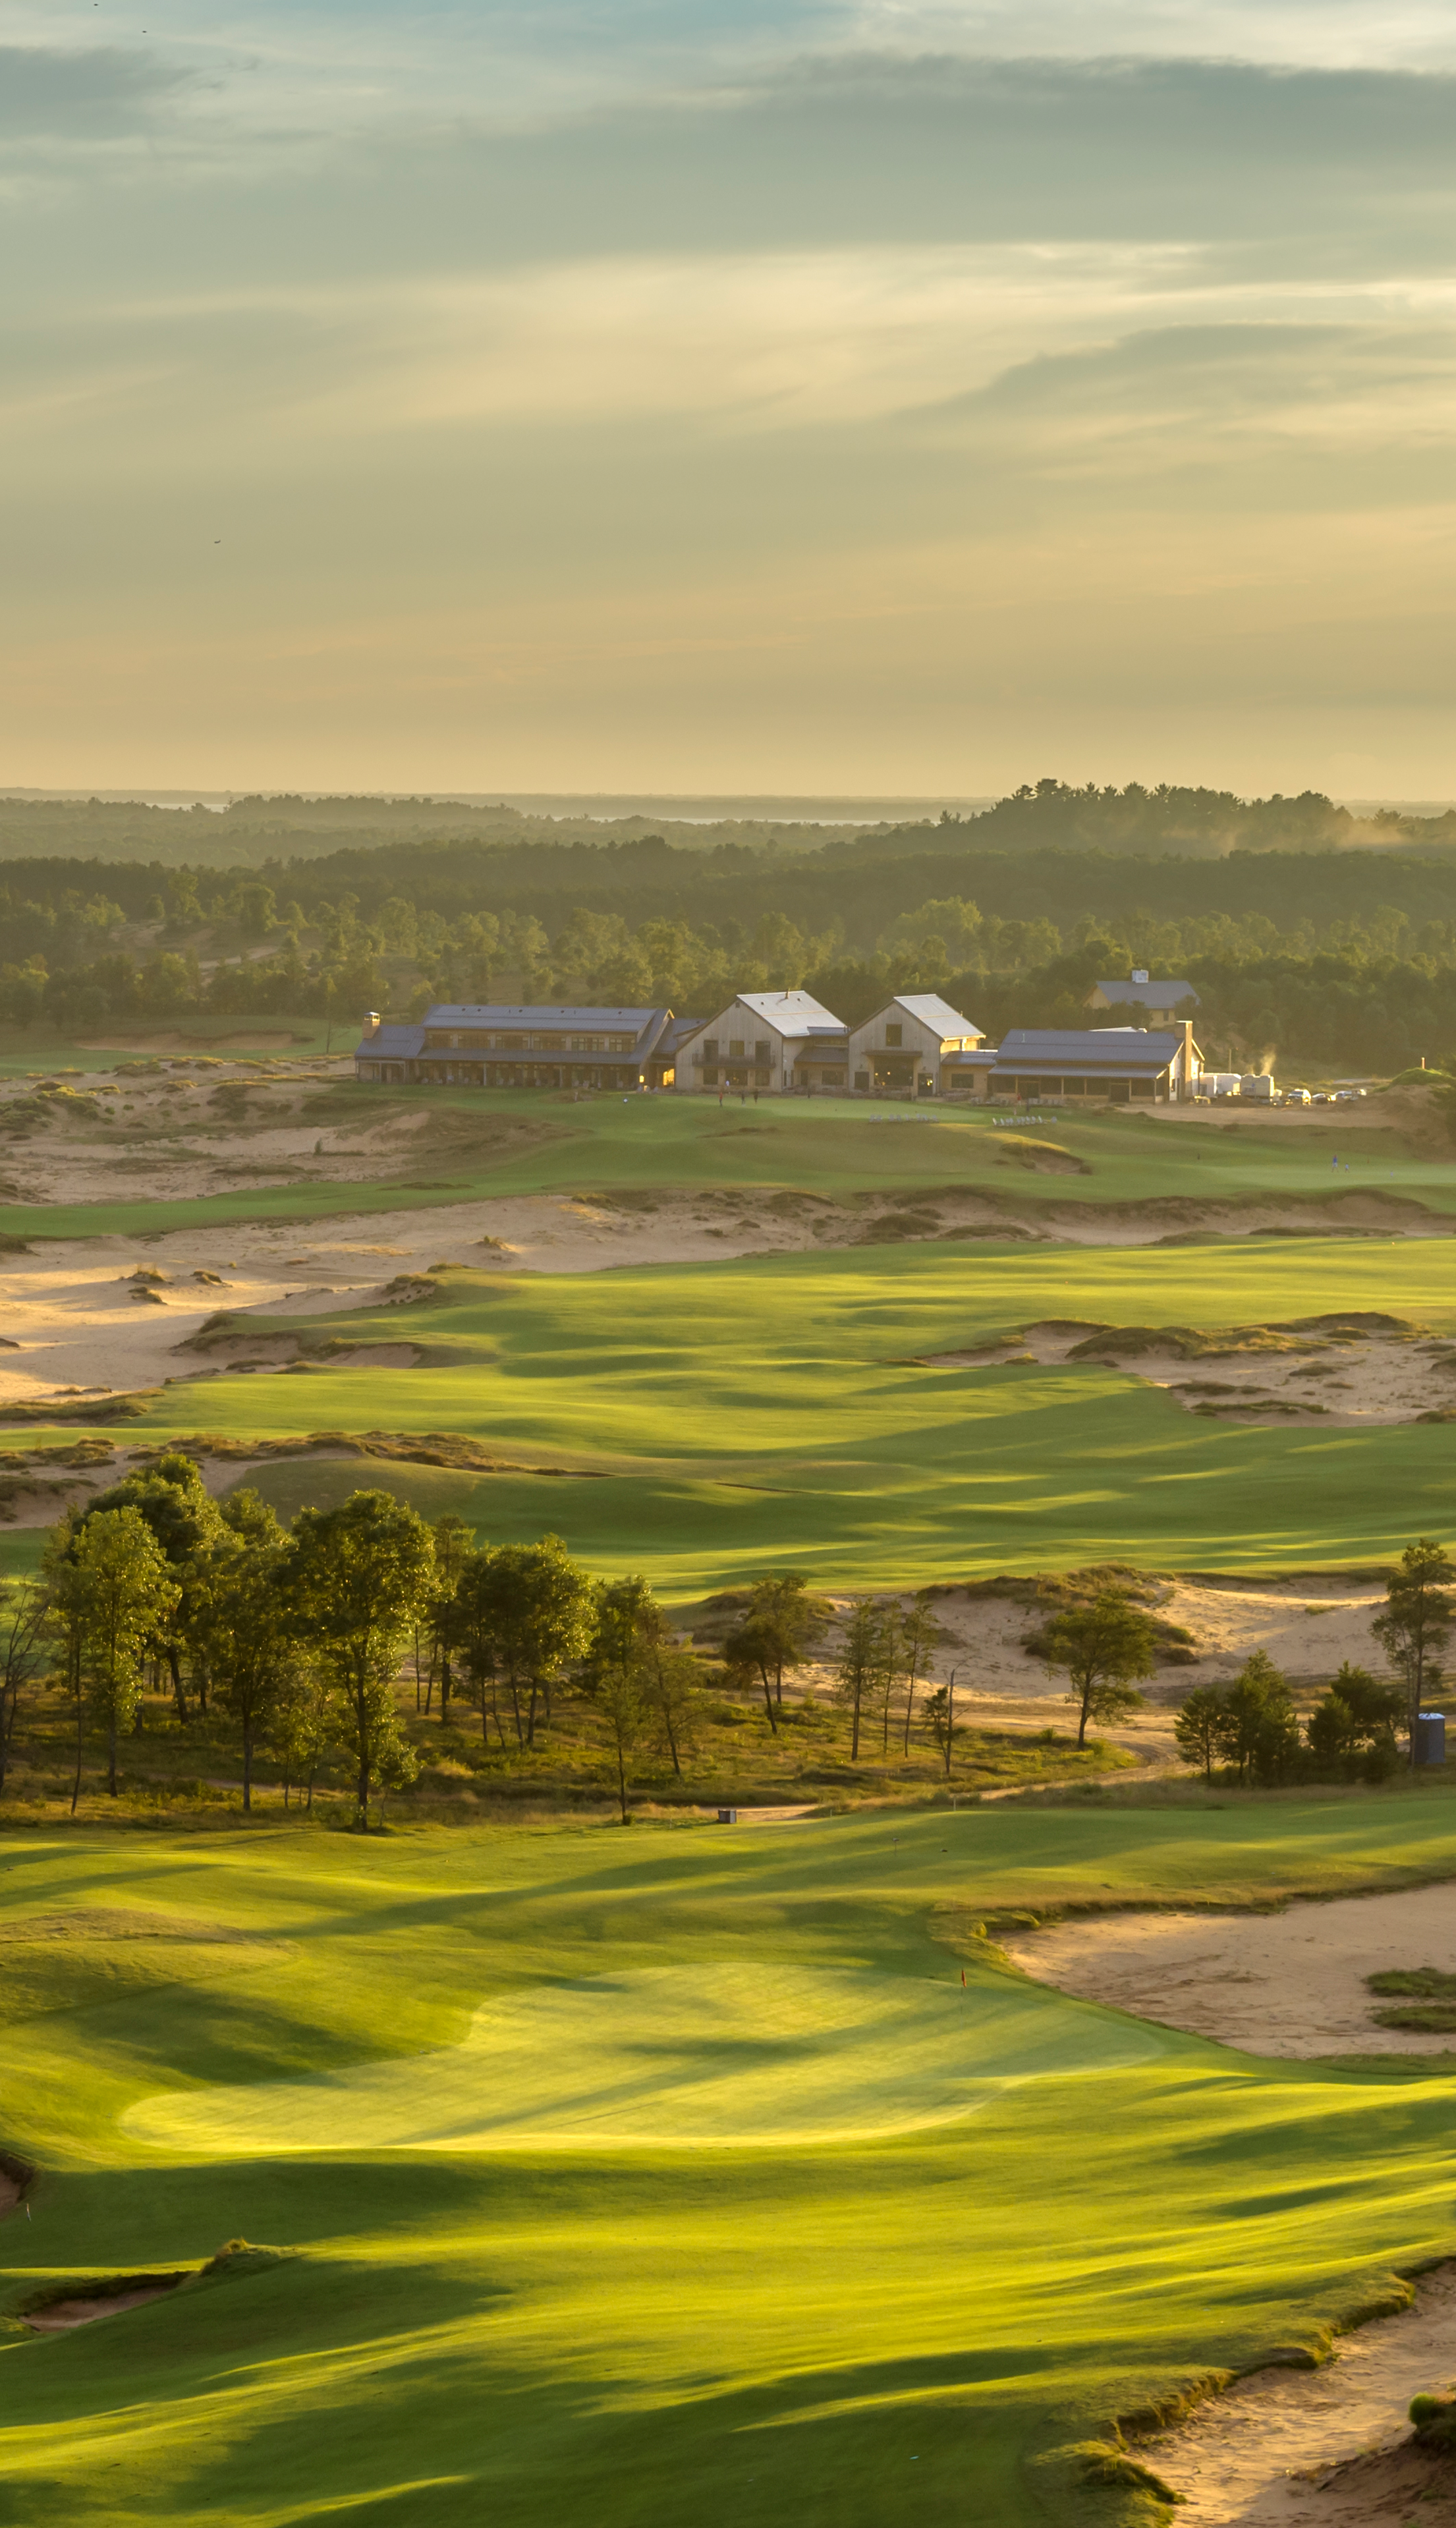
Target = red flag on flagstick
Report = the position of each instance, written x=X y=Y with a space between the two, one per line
x=962 y=1978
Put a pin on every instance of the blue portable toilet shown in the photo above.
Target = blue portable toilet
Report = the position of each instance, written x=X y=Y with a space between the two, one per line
x=1431 y=1738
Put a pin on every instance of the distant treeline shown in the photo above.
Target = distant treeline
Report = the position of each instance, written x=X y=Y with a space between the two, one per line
x=1166 y=821
x=1337 y=956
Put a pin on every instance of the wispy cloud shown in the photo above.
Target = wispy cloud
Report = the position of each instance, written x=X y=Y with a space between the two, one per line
x=566 y=351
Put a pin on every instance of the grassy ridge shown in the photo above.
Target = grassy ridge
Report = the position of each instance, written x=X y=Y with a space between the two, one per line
x=829 y=1146
x=703 y=1422
x=561 y=2325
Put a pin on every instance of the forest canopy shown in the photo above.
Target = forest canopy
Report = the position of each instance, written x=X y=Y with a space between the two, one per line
x=1302 y=932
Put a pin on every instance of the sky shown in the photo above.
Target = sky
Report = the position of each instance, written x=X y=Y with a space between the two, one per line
x=664 y=394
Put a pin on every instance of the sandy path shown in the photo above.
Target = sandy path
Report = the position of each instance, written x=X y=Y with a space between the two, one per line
x=1262 y=2455
x=1290 y=1983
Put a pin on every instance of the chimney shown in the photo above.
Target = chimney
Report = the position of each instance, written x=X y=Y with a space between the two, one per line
x=371 y=1024
x=1190 y=1075
x=1140 y=975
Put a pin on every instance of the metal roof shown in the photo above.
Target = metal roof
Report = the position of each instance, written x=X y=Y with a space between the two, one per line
x=792 y=1013
x=397 y=1043
x=499 y=1014
x=1148 y=997
x=1074 y=1049
x=931 y=1011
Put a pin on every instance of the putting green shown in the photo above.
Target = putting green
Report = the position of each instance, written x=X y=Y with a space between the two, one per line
x=639 y=2177
x=672 y=2056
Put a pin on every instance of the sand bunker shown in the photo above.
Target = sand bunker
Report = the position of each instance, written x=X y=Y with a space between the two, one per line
x=1289 y=2449
x=677 y=2057
x=1290 y=1984
x=60 y=2315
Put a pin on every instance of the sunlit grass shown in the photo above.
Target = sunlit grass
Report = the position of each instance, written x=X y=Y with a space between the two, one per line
x=543 y=2116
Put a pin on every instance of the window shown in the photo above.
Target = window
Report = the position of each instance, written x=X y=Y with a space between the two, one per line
x=760 y=1049
x=834 y=1080
x=710 y=1049
x=894 y=1035
x=735 y=1048
x=586 y=1044
x=547 y=1043
x=709 y=1075
x=862 y=1079
x=511 y=1043
x=760 y=1078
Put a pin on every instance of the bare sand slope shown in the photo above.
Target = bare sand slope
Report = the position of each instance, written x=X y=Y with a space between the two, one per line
x=1308 y=1627
x=1344 y=1377
x=1290 y=1983
x=1323 y=2449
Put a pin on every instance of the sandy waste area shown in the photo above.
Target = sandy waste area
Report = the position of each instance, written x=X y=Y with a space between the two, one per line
x=1328 y=2448
x=1339 y=1376
x=1290 y=1984
x=1287 y=2449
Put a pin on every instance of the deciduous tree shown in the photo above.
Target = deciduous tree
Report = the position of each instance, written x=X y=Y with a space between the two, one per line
x=921 y=1634
x=1416 y=1626
x=1101 y=1649
x=523 y=1614
x=860 y=1665
x=24 y=1608
x=126 y=1596
x=186 y=1523
x=247 y=1621
x=357 y=1575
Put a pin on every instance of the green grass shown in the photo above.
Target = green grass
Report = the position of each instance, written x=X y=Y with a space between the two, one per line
x=702 y=1423
x=641 y=2177
x=43 y=1051
x=191 y=1772
x=835 y=1147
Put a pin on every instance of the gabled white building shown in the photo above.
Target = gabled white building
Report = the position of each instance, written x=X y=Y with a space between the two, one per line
x=765 y=1041
x=904 y=1043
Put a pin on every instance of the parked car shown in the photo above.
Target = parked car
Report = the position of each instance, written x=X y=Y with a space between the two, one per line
x=1297 y=1097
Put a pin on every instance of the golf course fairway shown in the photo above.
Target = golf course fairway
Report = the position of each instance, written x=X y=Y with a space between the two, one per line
x=704 y=1423
x=637 y=2176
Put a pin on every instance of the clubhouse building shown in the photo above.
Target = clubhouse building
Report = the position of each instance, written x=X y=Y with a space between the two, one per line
x=776 y=1043
x=498 y=1045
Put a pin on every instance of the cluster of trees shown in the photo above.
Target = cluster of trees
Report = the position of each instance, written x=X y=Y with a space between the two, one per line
x=1251 y=1728
x=301 y=1638
x=1368 y=996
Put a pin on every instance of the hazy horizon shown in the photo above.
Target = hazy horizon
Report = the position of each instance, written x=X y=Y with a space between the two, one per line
x=820 y=398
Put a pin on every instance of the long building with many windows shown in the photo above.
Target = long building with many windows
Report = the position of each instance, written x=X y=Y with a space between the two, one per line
x=497 y=1045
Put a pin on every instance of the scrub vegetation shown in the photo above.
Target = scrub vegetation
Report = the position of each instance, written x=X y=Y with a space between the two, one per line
x=366 y=1654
